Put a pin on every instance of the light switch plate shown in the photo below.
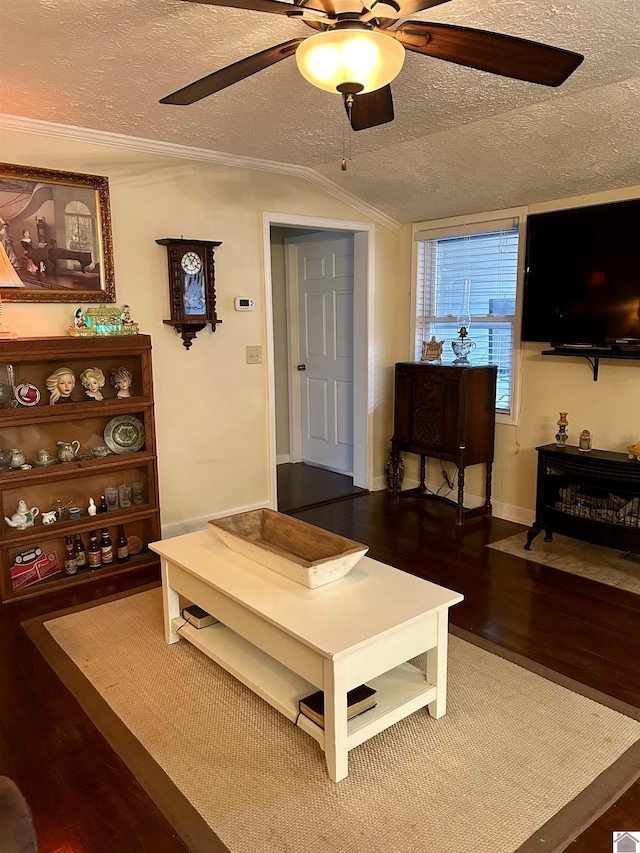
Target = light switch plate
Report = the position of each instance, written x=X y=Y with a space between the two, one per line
x=254 y=355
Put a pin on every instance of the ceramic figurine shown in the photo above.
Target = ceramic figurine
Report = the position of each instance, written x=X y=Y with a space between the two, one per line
x=60 y=385
x=432 y=350
x=561 y=435
x=634 y=450
x=585 y=443
x=93 y=380
x=18 y=458
x=122 y=379
x=126 y=316
x=79 y=320
x=92 y=508
x=22 y=517
x=68 y=450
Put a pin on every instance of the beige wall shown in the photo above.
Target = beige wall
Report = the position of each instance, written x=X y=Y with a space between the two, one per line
x=212 y=408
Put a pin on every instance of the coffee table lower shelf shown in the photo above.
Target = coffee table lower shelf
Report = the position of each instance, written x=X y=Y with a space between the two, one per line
x=400 y=691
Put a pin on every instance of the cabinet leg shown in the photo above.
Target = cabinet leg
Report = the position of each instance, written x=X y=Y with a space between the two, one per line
x=460 y=507
x=533 y=531
x=423 y=471
x=487 y=501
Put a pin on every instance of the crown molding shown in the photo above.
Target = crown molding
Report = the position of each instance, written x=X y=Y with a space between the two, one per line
x=168 y=149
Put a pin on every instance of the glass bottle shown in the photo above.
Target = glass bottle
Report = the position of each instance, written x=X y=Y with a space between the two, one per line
x=103 y=504
x=95 y=554
x=81 y=554
x=106 y=547
x=70 y=564
x=122 y=546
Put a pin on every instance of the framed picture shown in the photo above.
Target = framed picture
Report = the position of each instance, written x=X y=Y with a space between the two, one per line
x=55 y=236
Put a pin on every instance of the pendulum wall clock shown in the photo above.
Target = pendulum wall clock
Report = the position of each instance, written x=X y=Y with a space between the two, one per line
x=192 y=291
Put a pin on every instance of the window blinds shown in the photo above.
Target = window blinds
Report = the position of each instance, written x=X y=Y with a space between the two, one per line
x=471 y=280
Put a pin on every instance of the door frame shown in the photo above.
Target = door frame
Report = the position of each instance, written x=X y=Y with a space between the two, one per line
x=293 y=337
x=363 y=287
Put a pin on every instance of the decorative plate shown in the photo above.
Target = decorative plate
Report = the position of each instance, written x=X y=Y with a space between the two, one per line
x=124 y=434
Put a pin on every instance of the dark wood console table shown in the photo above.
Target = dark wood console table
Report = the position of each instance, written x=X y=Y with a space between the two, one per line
x=593 y=496
x=446 y=412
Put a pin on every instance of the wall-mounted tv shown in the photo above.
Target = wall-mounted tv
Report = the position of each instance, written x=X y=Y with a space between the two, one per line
x=582 y=276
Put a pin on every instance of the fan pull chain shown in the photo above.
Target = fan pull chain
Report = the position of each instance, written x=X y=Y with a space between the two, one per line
x=346 y=155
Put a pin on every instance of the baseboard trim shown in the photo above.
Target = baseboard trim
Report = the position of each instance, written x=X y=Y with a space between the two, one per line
x=193 y=524
x=505 y=511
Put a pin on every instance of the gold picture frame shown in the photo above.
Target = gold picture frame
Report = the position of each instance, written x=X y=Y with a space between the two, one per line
x=55 y=236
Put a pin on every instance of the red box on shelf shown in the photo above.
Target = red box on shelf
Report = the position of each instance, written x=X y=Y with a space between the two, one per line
x=27 y=574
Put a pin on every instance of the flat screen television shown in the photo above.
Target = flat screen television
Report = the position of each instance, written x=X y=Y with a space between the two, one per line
x=582 y=277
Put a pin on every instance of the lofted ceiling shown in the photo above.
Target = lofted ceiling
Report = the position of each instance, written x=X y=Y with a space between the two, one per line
x=462 y=141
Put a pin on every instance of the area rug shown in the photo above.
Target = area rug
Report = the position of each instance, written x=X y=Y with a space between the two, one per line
x=519 y=762
x=596 y=562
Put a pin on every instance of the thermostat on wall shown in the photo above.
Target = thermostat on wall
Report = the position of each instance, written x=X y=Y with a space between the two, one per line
x=243 y=303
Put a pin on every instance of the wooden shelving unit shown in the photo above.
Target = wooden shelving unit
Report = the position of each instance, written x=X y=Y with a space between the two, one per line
x=84 y=420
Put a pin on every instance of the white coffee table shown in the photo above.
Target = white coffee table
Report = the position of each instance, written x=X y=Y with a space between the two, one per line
x=285 y=641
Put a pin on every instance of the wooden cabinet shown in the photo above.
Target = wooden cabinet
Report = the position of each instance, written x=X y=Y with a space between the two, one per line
x=593 y=496
x=446 y=412
x=127 y=424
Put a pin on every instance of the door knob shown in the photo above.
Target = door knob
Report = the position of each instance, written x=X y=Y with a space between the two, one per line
x=302 y=367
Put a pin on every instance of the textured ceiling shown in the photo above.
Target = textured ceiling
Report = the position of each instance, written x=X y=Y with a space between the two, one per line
x=462 y=141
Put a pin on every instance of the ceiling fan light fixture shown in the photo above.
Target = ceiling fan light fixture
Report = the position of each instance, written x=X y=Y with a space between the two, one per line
x=363 y=58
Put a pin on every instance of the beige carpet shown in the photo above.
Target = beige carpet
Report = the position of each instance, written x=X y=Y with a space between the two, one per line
x=605 y=565
x=513 y=750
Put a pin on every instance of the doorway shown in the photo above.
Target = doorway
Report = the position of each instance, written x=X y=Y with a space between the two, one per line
x=319 y=278
x=324 y=255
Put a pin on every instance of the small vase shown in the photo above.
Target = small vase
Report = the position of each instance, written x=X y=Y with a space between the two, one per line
x=562 y=435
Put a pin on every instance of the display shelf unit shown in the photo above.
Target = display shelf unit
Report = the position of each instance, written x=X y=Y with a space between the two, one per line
x=82 y=419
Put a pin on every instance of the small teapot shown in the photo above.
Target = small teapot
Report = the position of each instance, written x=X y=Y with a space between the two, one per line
x=17 y=457
x=22 y=517
x=67 y=450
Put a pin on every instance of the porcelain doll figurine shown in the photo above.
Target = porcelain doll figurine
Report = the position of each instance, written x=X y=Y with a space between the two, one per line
x=93 y=380
x=122 y=380
x=60 y=385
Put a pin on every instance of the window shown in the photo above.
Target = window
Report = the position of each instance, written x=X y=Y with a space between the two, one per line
x=467 y=275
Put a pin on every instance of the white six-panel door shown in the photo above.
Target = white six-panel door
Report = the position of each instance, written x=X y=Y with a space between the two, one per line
x=325 y=320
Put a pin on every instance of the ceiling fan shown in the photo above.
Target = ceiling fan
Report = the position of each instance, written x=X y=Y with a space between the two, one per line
x=359 y=48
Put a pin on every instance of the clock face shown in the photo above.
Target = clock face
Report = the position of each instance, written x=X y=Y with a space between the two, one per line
x=191 y=263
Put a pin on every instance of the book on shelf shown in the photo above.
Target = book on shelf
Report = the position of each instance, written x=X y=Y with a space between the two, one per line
x=359 y=700
x=198 y=617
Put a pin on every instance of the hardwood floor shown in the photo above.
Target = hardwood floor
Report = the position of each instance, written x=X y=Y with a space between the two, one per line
x=85 y=800
x=304 y=486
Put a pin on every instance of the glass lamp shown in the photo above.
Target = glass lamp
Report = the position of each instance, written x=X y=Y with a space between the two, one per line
x=352 y=61
x=464 y=346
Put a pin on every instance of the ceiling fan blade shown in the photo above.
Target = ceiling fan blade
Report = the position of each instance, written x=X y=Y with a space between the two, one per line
x=232 y=73
x=275 y=7
x=371 y=109
x=492 y=52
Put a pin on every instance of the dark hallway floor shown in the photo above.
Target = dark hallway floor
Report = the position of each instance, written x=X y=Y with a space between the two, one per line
x=301 y=486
